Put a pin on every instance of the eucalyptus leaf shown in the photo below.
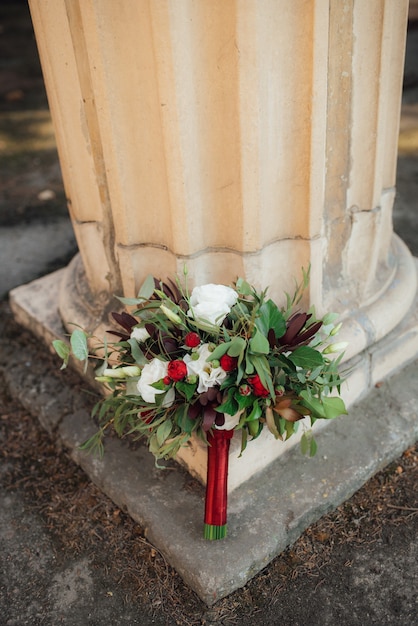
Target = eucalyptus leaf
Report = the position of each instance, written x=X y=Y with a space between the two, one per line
x=219 y=351
x=249 y=367
x=129 y=301
x=63 y=350
x=79 y=345
x=259 y=343
x=147 y=288
x=243 y=287
x=136 y=352
x=237 y=346
x=163 y=431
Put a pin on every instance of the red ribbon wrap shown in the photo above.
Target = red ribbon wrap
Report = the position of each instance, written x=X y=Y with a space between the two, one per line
x=217 y=483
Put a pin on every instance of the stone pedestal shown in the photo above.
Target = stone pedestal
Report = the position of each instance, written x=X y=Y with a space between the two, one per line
x=241 y=138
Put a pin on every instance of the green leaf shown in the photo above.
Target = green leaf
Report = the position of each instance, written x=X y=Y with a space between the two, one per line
x=263 y=370
x=63 y=350
x=163 y=431
x=313 y=404
x=184 y=422
x=243 y=287
x=219 y=351
x=136 y=352
x=129 y=301
x=243 y=401
x=255 y=414
x=306 y=357
x=259 y=343
x=79 y=345
x=186 y=389
x=249 y=367
x=244 y=438
x=308 y=444
x=333 y=407
x=230 y=406
x=147 y=288
x=271 y=317
x=327 y=408
x=237 y=346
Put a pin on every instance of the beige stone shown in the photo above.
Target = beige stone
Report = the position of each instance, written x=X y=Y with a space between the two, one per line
x=239 y=138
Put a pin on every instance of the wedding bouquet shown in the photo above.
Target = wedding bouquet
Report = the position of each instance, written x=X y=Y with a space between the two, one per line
x=210 y=363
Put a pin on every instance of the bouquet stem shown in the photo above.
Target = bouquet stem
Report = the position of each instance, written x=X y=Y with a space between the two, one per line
x=217 y=484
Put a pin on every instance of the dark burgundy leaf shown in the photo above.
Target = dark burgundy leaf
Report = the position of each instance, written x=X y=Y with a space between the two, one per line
x=125 y=320
x=309 y=332
x=209 y=417
x=122 y=336
x=294 y=325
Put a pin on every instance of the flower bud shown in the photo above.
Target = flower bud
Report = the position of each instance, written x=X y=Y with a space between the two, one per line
x=335 y=347
x=173 y=317
x=336 y=329
x=245 y=390
x=122 y=372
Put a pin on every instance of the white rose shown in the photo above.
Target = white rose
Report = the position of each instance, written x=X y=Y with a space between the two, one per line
x=208 y=376
x=211 y=303
x=140 y=334
x=152 y=372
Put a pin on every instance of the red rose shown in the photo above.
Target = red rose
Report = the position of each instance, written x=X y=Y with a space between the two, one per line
x=166 y=380
x=258 y=387
x=228 y=363
x=177 y=370
x=192 y=340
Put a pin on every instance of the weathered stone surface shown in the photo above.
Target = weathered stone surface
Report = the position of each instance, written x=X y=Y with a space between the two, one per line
x=265 y=514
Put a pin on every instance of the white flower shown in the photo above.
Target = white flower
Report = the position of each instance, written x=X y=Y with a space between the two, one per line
x=152 y=372
x=230 y=421
x=209 y=376
x=211 y=303
x=140 y=334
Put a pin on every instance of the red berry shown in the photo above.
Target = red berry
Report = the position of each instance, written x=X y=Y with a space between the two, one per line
x=177 y=370
x=228 y=363
x=192 y=340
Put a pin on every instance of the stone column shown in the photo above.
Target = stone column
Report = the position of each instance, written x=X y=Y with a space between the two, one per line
x=241 y=137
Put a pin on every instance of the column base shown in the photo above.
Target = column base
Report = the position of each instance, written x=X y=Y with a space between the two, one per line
x=382 y=338
x=266 y=514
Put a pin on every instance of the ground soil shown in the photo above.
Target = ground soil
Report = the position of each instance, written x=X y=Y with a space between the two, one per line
x=340 y=557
